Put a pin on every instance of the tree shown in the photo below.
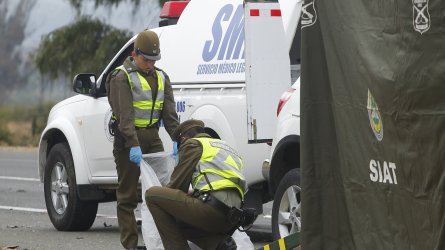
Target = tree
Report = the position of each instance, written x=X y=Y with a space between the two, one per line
x=84 y=46
x=78 y=3
x=13 y=69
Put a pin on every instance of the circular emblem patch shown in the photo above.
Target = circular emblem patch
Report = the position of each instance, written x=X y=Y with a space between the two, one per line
x=375 y=118
x=107 y=126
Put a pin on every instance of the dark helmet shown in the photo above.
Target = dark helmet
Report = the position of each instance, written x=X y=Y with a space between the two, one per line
x=147 y=44
x=185 y=126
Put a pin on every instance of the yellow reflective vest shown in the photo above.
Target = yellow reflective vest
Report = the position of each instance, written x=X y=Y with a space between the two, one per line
x=219 y=167
x=146 y=110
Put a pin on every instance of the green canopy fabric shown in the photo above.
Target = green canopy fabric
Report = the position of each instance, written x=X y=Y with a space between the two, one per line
x=373 y=124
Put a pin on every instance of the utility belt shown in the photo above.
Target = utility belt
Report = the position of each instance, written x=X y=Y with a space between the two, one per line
x=236 y=216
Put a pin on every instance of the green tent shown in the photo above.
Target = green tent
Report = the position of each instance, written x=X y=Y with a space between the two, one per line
x=373 y=124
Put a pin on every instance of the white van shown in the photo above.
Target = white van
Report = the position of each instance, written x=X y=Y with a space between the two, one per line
x=203 y=54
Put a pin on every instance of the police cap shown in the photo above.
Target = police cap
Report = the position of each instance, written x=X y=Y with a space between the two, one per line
x=147 y=44
x=185 y=126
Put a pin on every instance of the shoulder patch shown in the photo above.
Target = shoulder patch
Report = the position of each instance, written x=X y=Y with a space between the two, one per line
x=163 y=72
x=158 y=69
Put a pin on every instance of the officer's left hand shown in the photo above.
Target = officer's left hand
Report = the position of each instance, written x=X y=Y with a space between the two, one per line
x=175 y=150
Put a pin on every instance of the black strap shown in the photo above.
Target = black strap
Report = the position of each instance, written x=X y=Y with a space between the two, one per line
x=208 y=182
x=236 y=216
x=205 y=176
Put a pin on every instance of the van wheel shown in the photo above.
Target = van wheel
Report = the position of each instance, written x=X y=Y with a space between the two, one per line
x=66 y=211
x=286 y=209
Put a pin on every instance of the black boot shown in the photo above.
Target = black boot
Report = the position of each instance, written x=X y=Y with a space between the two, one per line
x=138 y=248
x=227 y=244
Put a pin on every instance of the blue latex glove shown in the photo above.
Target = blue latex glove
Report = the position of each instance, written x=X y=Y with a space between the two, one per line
x=136 y=155
x=175 y=150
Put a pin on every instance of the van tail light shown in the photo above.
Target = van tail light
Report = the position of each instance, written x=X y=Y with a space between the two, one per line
x=283 y=99
x=173 y=9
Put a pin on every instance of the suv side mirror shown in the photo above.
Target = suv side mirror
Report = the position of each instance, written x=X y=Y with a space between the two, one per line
x=85 y=84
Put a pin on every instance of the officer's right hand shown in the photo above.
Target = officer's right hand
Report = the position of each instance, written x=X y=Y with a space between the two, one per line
x=136 y=155
x=175 y=150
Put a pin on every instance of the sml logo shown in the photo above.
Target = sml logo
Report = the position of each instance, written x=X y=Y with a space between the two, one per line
x=374 y=117
x=227 y=43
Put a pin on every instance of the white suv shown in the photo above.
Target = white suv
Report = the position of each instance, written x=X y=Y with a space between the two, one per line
x=282 y=170
x=208 y=75
x=207 y=72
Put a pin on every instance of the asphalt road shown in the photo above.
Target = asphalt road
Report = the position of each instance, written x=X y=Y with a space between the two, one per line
x=25 y=223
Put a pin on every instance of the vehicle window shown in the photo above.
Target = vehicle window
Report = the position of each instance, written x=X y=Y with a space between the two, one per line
x=295 y=55
x=126 y=53
x=294 y=52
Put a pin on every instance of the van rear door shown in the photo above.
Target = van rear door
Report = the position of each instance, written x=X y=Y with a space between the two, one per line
x=267 y=68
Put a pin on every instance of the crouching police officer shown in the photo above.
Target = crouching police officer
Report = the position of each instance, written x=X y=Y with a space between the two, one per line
x=140 y=96
x=213 y=169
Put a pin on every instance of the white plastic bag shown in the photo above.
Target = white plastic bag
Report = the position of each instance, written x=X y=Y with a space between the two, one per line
x=150 y=233
x=242 y=240
x=156 y=169
x=163 y=164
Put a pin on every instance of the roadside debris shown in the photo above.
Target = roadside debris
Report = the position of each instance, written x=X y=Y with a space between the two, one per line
x=9 y=247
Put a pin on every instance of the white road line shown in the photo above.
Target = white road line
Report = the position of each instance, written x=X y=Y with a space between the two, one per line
x=112 y=216
x=18 y=178
x=106 y=216
x=26 y=209
x=38 y=210
x=17 y=160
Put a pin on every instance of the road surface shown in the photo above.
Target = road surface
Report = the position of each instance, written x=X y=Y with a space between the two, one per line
x=25 y=223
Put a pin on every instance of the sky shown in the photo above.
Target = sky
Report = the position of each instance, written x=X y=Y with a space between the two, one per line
x=48 y=15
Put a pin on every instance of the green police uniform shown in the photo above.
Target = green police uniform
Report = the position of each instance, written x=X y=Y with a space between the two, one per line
x=121 y=96
x=180 y=217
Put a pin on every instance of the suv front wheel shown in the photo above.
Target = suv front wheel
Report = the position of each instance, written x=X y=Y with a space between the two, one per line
x=286 y=209
x=66 y=211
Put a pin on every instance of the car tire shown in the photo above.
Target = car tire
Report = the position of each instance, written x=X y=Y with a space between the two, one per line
x=286 y=209
x=66 y=211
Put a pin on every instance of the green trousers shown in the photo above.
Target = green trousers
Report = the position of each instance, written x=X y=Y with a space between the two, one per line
x=180 y=217
x=128 y=178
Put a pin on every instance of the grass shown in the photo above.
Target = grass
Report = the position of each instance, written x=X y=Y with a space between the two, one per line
x=22 y=125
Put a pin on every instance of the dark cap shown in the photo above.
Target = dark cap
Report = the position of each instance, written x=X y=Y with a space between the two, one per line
x=147 y=44
x=185 y=126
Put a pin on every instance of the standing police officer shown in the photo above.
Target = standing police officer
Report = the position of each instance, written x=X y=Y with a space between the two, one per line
x=213 y=169
x=140 y=96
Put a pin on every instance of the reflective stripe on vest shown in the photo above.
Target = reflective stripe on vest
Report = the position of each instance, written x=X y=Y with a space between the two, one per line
x=145 y=111
x=222 y=166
